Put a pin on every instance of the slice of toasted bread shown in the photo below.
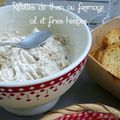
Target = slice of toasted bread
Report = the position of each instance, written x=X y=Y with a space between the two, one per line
x=112 y=37
x=111 y=59
x=98 y=54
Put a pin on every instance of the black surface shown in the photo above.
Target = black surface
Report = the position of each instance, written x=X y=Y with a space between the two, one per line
x=83 y=91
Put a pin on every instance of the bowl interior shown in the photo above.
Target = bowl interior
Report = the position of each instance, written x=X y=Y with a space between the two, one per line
x=79 y=36
x=20 y=21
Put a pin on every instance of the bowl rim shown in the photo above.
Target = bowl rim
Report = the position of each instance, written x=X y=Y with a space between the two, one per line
x=60 y=73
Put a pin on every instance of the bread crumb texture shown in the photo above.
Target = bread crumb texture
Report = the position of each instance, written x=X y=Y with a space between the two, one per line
x=112 y=37
x=111 y=59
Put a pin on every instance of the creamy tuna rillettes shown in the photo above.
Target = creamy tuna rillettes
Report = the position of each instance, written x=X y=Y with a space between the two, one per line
x=18 y=64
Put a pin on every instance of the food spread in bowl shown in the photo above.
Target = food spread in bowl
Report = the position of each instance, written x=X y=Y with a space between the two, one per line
x=109 y=54
x=17 y=64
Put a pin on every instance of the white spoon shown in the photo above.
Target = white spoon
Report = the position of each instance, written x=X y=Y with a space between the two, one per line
x=31 y=41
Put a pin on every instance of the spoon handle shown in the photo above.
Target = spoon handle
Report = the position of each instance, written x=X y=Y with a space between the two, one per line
x=9 y=43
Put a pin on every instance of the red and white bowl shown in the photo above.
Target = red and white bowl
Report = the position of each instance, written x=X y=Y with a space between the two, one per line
x=37 y=96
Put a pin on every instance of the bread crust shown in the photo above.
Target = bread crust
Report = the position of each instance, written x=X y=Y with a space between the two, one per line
x=99 y=54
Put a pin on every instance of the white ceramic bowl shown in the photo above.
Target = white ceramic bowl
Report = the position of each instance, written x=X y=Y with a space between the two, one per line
x=37 y=96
